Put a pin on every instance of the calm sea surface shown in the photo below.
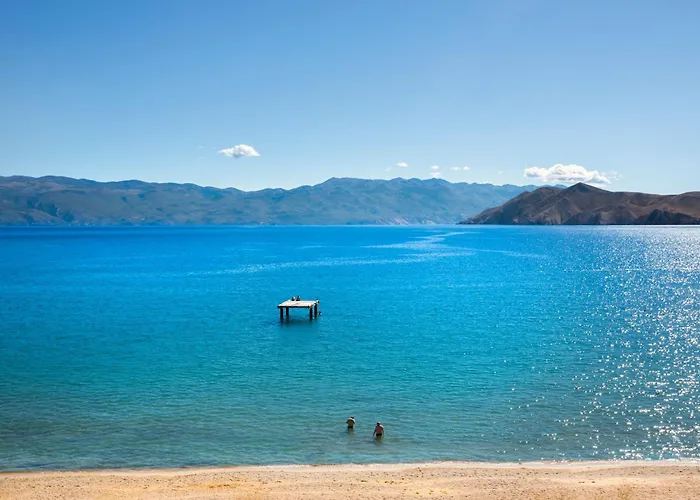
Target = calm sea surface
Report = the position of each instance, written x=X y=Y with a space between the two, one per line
x=163 y=347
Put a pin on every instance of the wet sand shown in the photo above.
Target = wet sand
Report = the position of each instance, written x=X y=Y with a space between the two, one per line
x=666 y=480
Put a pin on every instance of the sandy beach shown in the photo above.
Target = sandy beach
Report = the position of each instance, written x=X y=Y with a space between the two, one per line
x=590 y=480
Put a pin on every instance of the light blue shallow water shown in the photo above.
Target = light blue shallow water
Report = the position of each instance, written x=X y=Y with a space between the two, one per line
x=163 y=347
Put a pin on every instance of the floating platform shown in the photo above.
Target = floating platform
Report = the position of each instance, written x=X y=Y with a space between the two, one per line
x=311 y=305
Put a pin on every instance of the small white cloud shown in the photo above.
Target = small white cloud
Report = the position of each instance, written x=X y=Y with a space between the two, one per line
x=501 y=172
x=566 y=174
x=465 y=168
x=402 y=164
x=435 y=175
x=455 y=168
x=239 y=151
x=388 y=169
x=435 y=167
x=613 y=176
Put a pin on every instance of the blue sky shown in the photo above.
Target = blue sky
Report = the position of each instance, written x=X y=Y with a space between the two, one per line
x=610 y=91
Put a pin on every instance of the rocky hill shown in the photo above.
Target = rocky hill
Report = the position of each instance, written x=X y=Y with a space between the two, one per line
x=584 y=204
x=66 y=201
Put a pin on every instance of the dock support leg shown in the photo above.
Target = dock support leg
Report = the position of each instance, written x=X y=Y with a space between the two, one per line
x=281 y=314
x=311 y=313
x=315 y=310
x=287 y=312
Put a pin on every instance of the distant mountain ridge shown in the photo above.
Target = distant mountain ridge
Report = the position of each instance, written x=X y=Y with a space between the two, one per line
x=584 y=204
x=66 y=201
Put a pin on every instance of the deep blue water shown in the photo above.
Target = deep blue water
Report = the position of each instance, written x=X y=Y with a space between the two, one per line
x=163 y=347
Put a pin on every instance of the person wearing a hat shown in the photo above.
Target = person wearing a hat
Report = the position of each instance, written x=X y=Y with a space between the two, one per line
x=351 y=423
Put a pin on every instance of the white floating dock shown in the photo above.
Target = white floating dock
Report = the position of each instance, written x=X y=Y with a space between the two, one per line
x=311 y=305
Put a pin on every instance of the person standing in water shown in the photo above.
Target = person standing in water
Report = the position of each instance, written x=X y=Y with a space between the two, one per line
x=378 y=430
x=351 y=423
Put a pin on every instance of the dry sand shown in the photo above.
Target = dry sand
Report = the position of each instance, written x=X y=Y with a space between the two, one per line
x=590 y=480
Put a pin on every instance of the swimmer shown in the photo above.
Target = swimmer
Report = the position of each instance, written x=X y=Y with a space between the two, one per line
x=378 y=430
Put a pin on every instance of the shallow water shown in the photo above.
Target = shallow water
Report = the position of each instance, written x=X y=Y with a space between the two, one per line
x=137 y=347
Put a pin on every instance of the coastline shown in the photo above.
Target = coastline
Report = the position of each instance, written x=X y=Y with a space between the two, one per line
x=667 y=479
x=378 y=466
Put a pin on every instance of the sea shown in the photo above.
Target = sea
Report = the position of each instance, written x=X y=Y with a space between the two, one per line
x=163 y=347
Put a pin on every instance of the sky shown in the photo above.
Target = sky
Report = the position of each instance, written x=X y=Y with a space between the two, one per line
x=256 y=94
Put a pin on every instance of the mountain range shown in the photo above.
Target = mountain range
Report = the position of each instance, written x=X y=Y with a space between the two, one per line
x=66 y=201
x=584 y=204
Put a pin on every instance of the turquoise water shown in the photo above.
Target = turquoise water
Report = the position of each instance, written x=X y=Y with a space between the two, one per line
x=163 y=347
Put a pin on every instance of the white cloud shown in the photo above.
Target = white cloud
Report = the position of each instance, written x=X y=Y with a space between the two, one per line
x=566 y=174
x=459 y=168
x=613 y=176
x=434 y=167
x=388 y=169
x=435 y=175
x=465 y=168
x=402 y=164
x=239 y=151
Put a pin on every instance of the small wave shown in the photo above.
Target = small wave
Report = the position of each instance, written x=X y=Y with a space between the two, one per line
x=406 y=259
x=509 y=253
x=425 y=243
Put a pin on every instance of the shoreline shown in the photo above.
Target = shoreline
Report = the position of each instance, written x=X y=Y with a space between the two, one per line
x=378 y=466
x=671 y=479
